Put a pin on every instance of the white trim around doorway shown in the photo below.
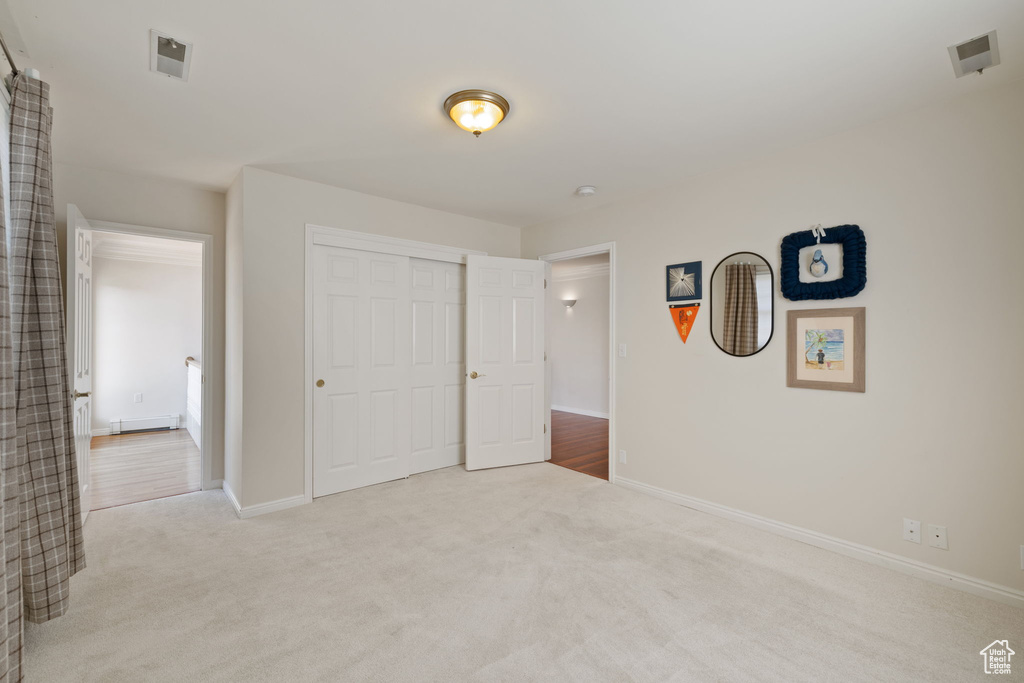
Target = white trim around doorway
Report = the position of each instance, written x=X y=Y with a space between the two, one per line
x=604 y=248
x=209 y=366
x=363 y=241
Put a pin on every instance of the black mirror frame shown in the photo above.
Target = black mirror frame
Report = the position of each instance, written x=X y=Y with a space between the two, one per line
x=711 y=302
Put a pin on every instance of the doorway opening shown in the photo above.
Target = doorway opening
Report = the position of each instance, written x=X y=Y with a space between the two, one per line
x=580 y=342
x=147 y=309
x=139 y=326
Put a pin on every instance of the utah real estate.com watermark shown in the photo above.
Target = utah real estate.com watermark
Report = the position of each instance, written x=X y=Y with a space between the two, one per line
x=997 y=657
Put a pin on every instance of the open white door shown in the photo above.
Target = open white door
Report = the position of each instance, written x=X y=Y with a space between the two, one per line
x=79 y=345
x=505 y=385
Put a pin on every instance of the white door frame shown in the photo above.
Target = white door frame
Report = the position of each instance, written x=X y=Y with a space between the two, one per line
x=209 y=367
x=363 y=241
x=603 y=248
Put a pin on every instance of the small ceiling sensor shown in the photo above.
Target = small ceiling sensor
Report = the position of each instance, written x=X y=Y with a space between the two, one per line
x=586 y=191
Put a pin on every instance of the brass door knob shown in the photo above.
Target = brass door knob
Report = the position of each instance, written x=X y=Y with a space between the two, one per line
x=79 y=394
x=319 y=382
x=475 y=374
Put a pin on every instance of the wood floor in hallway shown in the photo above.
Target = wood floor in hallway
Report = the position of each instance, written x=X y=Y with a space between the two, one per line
x=130 y=468
x=580 y=443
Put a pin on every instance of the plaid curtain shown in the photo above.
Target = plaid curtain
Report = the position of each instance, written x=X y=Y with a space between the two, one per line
x=51 y=524
x=10 y=484
x=740 y=330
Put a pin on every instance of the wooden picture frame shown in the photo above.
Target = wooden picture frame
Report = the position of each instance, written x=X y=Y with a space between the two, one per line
x=825 y=349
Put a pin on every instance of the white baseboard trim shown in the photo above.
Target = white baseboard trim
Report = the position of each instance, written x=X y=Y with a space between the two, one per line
x=580 y=411
x=231 y=498
x=262 y=508
x=101 y=432
x=962 y=582
x=213 y=484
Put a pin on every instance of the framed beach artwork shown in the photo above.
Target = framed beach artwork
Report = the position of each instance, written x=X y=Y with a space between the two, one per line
x=826 y=349
x=682 y=281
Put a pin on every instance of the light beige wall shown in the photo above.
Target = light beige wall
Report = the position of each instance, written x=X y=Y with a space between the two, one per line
x=578 y=339
x=120 y=198
x=147 y=319
x=938 y=436
x=276 y=209
x=233 y=351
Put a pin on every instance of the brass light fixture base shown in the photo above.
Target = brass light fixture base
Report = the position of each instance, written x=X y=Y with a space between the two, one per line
x=485 y=98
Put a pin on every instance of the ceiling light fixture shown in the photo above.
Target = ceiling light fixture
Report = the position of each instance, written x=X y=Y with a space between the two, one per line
x=586 y=191
x=477 y=111
x=568 y=303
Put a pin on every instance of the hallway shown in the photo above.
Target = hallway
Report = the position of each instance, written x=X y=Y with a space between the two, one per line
x=580 y=443
x=130 y=468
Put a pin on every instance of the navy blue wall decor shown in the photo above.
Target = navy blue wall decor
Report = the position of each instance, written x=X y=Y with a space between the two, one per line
x=851 y=237
x=682 y=281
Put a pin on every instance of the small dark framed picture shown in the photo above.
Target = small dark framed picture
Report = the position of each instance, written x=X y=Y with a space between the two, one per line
x=682 y=281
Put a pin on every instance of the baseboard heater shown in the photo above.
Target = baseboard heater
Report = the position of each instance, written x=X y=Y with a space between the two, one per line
x=144 y=424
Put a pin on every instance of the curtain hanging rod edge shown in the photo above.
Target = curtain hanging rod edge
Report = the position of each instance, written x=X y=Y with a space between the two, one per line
x=7 y=54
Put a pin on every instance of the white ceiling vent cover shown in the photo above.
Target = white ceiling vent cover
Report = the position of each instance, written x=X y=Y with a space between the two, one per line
x=168 y=55
x=975 y=54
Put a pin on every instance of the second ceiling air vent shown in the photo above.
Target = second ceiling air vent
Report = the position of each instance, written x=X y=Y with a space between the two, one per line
x=975 y=55
x=169 y=56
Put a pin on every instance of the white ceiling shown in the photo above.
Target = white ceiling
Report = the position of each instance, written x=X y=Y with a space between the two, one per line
x=627 y=96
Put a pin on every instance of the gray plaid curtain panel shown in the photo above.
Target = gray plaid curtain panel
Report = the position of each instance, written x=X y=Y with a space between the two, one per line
x=10 y=484
x=51 y=523
x=740 y=330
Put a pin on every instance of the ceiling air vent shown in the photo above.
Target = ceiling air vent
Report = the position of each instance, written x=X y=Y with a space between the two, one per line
x=168 y=55
x=975 y=55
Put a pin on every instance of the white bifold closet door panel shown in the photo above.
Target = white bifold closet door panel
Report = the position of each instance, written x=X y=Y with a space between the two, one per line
x=362 y=352
x=438 y=364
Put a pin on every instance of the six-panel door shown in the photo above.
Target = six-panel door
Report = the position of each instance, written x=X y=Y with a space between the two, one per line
x=505 y=360
x=438 y=364
x=361 y=358
x=390 y=340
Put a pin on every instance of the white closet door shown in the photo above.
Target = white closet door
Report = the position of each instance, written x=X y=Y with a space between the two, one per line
x=505 y=389
x=361 y=353
x=438 y=364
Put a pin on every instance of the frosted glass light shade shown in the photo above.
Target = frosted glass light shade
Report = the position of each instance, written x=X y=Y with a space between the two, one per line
x=476 y=110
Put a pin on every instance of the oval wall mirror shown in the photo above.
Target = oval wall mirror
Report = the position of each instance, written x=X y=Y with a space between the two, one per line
x=742 y=304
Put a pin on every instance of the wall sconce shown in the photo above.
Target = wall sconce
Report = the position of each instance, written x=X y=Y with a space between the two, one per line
x=569 y=303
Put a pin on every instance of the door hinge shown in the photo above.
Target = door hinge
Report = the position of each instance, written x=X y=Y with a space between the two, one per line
x=545 y=355
x=545 y=428
x=545 y=283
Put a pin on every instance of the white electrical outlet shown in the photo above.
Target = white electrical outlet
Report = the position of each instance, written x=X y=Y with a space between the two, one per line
x=622 y=350
x=138 y=398
x=911 y=530
x=937 y=537
x=622 y=460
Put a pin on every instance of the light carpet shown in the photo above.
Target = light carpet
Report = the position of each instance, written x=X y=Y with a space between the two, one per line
x=523 y=573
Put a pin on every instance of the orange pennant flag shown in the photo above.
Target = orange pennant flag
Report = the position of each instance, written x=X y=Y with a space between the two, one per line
x=683 y=316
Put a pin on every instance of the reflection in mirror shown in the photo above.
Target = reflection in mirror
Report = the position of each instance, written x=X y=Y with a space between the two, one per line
x=742 y=304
